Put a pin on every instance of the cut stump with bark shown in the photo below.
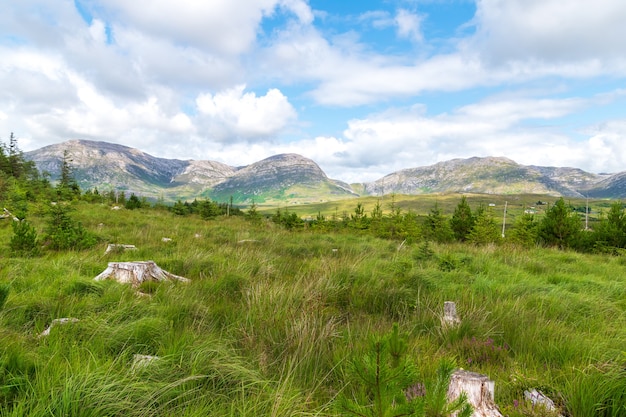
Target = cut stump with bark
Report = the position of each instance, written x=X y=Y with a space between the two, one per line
x=135 y=273
x=479 y=390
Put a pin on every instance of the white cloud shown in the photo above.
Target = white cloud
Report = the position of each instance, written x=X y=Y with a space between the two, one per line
x=222 y=26
x=515 y=42
x=551 y=30
x=389 y=141
x=409 y=25
x=234 y=115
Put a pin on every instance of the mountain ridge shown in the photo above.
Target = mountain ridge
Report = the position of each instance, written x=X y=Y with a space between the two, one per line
x=294 y=178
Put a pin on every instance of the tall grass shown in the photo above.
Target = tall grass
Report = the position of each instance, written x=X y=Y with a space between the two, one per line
x=271 y=317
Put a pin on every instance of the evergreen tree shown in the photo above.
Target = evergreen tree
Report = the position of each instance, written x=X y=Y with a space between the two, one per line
x=5 y=166
x=209 y=209
x=253 y=214
x=133 y=202
x=24 y=241
x=384 y=382
x=462 y=220
x=524 y=231
x=611 y=231
x=67 y=188
x=436 y=226
x=485 y=229
x=63 y=232
x=359 y=219
x=561 y=227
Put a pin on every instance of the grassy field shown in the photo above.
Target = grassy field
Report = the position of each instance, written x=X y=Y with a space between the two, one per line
x=422 y=204
x=271 y=318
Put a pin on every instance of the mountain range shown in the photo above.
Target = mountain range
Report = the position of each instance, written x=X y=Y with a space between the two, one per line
x=292 y=178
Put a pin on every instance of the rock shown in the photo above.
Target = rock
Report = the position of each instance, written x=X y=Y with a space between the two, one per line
x=135 y=273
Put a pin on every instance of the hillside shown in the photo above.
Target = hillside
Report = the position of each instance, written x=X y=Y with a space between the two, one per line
x=294 y=179
x=486 y=176
x=288 y=177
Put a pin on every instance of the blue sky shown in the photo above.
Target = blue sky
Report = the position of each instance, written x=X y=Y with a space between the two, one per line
x=364 y=88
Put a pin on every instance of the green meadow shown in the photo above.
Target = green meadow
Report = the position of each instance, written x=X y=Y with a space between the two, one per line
x=274 y=316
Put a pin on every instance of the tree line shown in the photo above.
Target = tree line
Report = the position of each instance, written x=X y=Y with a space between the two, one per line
x=561 y=226
x=22 y=184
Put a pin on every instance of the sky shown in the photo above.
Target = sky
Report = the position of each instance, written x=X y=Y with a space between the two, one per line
x=364 y=88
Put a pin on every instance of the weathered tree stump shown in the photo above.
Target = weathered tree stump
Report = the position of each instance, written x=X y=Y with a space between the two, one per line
x=538 y=398
x=135 y=273
x=118 y=247
x=450 y=317
x=8 y=215
x=479 y=390
x=57 y=322
x=142 y=361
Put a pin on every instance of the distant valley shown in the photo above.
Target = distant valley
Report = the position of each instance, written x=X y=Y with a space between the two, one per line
x=294 y=179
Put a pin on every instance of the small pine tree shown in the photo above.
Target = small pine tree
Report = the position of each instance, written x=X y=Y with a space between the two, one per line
x=560 y=227
x=253 y=214
x=462 y=220
x=63 y=233
x=385 y=383
x=485 y=229
x=436 y=227
x=611 y=232
x=524 y=231
x=67 y=188
x=133 y=202
x=24 y=241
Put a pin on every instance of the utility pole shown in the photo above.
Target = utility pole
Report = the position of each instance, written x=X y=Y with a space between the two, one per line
x=587 y=214
x=504 y=219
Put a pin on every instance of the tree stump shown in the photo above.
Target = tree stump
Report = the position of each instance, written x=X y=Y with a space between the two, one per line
x=538 y=398
x=57 y=322
x=135 y=273
x=450 y=317
x=8 y=215
x=479 y=390
x=142 y=361
x=111 y=247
